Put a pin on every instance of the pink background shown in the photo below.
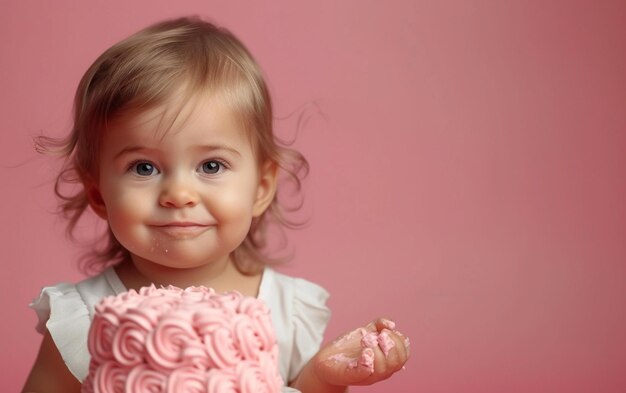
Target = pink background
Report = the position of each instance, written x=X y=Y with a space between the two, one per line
x=468 y=175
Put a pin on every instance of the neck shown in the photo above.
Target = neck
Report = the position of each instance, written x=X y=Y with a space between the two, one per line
x=139 y=272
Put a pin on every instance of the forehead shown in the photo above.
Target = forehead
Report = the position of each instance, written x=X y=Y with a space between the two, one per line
x=176 y=132
x=199 y=119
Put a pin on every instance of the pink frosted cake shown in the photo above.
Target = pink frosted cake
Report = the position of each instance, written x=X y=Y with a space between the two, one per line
x=174 y=340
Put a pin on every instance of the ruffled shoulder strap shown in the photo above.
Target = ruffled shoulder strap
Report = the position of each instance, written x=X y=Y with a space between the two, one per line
x=310 y=318
x=300 y=317
x=61 y=310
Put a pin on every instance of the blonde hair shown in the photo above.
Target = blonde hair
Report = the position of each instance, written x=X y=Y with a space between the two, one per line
x=144 y=71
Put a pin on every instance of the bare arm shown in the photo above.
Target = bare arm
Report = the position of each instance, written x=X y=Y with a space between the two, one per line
x=309 y=381
x=49 y=373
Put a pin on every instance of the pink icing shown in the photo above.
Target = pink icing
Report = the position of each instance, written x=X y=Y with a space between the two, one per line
x=342 y=358
x=222 y=348
x=174 y=340
x=100 y=341
x=369 y=340
x=143 y=379
x=358 y=333
x=253 y=379
x=110 y=377
x=222 y=381
x=367 y=359
x=129 y=343
x=407 y=345
x=385 y=342
x=166 y=342
x=188 y=380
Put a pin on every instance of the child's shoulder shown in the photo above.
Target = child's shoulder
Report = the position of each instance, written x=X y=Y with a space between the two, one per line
x=274 y=282
x=64 y=310
x=300 y=316
x=74 y=299
x=297 y=297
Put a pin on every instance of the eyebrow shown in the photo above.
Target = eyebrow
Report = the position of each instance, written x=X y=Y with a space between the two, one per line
x=131 y=149
x=210 y=148
x=201 y=148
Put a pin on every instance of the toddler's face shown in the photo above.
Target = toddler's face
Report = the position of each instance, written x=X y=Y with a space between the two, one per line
x=183 y=197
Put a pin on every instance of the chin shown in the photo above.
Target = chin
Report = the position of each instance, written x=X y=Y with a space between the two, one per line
x=183 y=261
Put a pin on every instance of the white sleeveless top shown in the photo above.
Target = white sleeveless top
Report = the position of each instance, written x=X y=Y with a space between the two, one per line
x=298 y=310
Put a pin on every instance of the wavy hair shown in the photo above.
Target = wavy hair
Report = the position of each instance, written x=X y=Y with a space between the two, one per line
x=144 y=71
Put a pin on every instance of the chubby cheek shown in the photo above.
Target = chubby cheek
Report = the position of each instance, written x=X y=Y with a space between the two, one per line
x=125 y=210
x=233 y=210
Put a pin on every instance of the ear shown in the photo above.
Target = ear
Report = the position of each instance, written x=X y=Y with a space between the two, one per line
x=266 y=189
x=94 y=197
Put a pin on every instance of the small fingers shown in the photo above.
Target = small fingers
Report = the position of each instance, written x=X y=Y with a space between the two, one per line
x=395 y=348
x=341 y=369
x=388 y=337
x=387 y=325
x=384 y=323
x=391 y=349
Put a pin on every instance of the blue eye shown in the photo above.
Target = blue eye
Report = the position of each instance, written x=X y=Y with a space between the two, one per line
x=143 y=168
x=211 y=167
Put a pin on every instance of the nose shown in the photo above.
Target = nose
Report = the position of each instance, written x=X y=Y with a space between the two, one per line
x=177 y=192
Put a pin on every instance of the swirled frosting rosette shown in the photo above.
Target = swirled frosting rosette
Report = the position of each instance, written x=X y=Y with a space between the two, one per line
x=175 y=340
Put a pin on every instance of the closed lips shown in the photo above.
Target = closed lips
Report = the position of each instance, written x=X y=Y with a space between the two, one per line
x=182 y=229
x=182 y=224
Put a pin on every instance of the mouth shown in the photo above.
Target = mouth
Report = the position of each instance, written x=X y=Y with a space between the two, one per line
x=182 y=230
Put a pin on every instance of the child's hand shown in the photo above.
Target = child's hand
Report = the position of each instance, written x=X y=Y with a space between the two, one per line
x=364 y=356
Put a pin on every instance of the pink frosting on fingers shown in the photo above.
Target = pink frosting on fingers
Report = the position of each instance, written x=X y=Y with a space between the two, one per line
x=385 y=342
x=369 y=340
x=367 y=359
x=342 y=358
x=407 y=345
x=350 y=338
